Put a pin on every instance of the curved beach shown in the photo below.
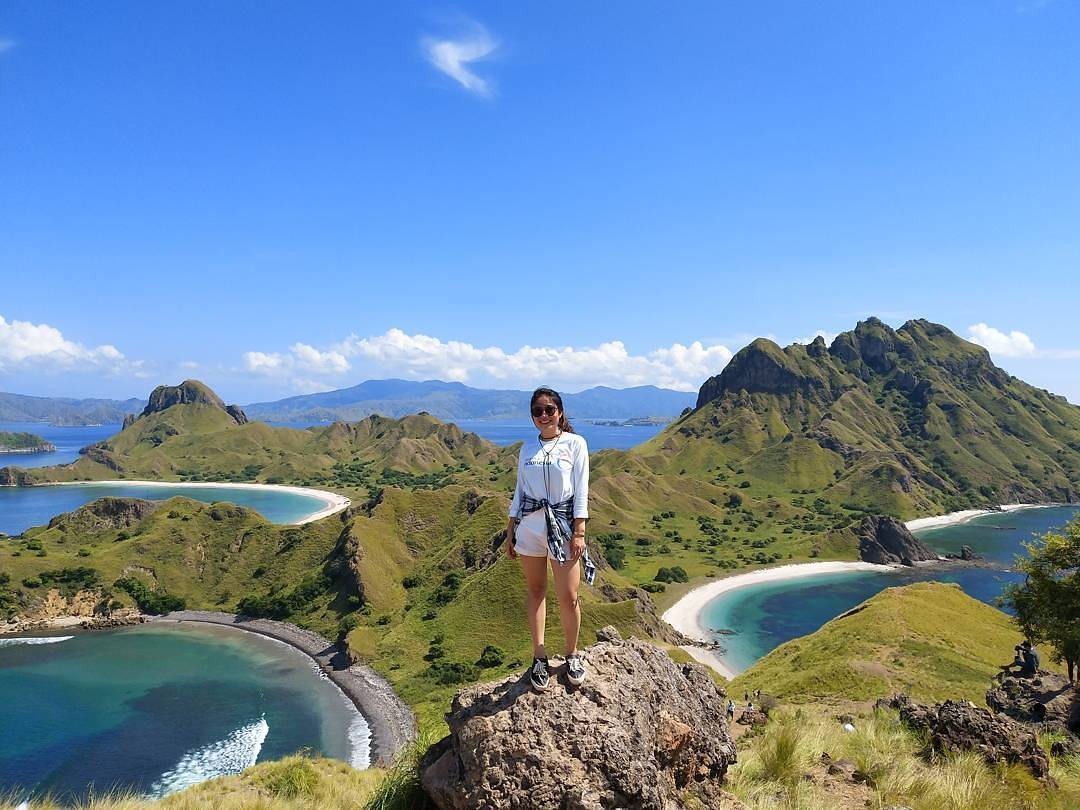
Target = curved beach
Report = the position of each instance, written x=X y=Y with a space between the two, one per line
x=390 y=719
x=685 y=615
x=333 y=503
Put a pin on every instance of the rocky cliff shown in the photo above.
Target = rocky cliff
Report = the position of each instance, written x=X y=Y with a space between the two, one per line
x=886 y=541
x=189 y=392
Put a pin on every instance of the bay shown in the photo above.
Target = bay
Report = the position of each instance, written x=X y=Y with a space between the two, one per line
x=766 y=615
x=23 y=507
x=155 y=708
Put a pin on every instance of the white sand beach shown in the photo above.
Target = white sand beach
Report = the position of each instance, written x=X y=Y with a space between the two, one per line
x=685 y=615
x=334 y=503
x=937 y=521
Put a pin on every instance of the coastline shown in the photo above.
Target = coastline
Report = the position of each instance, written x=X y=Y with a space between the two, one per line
x=334 y=503
x=685 y=615
x=952 y=518
x=392 y=723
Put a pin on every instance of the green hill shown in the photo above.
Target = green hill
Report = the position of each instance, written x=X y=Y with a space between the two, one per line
x=23 y=443
x=904 y=422
x=929 y=640
x=186 y=433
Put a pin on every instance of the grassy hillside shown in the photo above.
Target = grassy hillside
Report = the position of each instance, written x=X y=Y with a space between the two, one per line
x=411 y=581
x=203 y=442
x=929 y=640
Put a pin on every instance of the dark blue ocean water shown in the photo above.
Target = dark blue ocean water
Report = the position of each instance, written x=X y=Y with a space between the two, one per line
x=68 y=442
x=23 y=507
x=764 y=616
x=156 y=708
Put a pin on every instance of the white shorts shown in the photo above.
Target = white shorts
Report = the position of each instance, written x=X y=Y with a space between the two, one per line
x=530 y=538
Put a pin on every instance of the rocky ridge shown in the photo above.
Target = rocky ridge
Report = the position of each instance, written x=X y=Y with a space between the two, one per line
x=189 y=392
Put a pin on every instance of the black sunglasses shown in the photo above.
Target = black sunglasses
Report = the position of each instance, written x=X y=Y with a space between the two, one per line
x=543 y=410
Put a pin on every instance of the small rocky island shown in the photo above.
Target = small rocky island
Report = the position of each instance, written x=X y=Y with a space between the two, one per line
x=24 y=443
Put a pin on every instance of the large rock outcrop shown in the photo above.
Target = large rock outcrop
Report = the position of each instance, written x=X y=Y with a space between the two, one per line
x=104 y=514
x=887 y=541
x=961 y=726
x=1048 y=698
x=189 y=392
x=641 y=732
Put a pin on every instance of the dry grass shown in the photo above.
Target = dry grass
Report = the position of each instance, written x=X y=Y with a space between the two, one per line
x=774 y=767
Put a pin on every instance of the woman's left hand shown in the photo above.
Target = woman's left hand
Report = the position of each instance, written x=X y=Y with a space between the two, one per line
x=577 y=547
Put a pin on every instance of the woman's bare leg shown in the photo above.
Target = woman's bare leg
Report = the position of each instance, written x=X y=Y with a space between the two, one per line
x=567 y=579
x=535 y=569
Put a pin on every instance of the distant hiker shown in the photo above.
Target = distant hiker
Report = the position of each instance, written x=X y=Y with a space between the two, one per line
x=749 y=707
x=1025 y=659
x=547 y=524
x=745 y=697
x=730 y=710
x=757 y=694
x=1030 y=656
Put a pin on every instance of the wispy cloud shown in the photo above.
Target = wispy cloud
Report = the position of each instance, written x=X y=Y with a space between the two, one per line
x=6 y=44
x=26 y=345
x=396 y=353
x=455 y=56
x=828 y=337
x=1012 y=344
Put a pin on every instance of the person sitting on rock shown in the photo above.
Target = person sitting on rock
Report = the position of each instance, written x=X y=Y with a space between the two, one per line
x=1029 y=666
x=547 y=525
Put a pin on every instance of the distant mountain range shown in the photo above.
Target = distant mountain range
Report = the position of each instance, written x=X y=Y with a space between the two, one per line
x=66 y=411
x=453 y=400
x=394 y=398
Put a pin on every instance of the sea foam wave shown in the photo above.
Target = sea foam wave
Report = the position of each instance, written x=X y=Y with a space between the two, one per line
x=359 y=741
x=231 y=755
x=11 y=642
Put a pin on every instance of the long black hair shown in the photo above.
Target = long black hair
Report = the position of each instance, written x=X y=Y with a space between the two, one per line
x=564 y=423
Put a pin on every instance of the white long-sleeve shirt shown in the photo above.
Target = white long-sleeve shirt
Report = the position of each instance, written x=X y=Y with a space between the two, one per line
x=565 y=460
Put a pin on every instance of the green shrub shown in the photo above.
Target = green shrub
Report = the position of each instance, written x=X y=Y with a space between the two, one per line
x=492 y=656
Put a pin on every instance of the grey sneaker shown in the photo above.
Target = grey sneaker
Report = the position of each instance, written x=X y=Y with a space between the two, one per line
x=575 y=669
x=539 y=674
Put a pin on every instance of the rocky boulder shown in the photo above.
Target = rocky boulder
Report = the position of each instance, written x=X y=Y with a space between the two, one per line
x=887 y=541
x=1047 y=698
x=641 y=732
x=961 y=726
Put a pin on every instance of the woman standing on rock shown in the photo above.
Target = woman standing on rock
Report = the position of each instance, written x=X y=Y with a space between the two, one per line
x=547 y=522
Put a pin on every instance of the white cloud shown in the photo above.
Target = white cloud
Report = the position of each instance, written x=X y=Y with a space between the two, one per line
x=454 y=56
x=828 y=337
x=6 y=44
x=419 y=356
x=1013 y=344
x=301 y=357
x=39 y=345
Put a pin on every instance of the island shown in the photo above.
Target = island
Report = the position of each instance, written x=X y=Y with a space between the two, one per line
x=24 y=443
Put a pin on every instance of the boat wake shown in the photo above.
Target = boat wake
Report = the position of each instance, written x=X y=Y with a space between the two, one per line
x=11 y=642
x=231 y=755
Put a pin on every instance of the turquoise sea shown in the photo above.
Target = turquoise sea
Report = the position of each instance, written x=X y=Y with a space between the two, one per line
x=23 y=507
x=156 y=708
x=764 y=616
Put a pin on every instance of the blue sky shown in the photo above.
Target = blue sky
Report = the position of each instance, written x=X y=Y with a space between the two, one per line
x=286 y=197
